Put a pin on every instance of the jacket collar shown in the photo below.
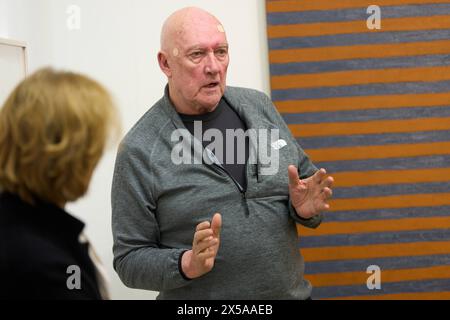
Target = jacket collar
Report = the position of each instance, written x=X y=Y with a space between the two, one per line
x=249 y=113
x=44 y=215
x=243 y=109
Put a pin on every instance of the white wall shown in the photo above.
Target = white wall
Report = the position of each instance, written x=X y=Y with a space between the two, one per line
x=117 y=44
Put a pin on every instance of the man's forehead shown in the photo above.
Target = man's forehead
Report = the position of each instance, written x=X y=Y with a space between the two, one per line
x=192 y=31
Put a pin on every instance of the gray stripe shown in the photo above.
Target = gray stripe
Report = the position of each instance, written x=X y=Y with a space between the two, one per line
x=436 y=161
x=361 y=90
x=283 y=18
x=363 y=239
x=374 y=139
x=391 y=189
x=366 y=115
x=387 y=214
x=358 y=39
x=386 y=288
x=359 y=64
x=393 y=263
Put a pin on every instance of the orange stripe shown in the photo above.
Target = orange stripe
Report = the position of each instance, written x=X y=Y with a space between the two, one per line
x=369 y=127
x=347 y=78
x=359 y=26
x=330 y=228
x=397 y=201
x=307 y=5
x=400 y=296
x=376 y=251
x=387 y=276
x=364 y=103
x=379 y=152
x=367 y=178
x=360 y=51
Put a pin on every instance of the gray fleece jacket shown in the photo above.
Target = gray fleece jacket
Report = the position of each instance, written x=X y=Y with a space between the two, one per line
x=156 y=206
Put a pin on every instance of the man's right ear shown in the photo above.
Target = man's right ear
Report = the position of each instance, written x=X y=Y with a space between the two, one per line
x=164 y=64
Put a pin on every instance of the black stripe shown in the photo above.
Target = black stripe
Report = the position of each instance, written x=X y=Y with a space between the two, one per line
x=392 y=189
x=423 y=162
x=391 y=263
x=359 y=64
x=387 y=214
x=373 y=238
x=361 y=90
x=339 y=40
x=367 y=115
x=435 y=285
x=373 y=139
x=286 y=18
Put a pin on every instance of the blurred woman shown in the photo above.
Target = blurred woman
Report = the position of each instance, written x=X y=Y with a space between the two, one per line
x=53 y=129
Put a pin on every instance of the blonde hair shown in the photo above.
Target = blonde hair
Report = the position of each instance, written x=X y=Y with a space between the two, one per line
x=53 y=129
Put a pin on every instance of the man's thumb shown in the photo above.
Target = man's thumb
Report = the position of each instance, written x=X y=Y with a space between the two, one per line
x=216 y=224
x=293 y=175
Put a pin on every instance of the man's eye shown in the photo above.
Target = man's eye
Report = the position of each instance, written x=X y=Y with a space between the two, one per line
x=221 y=52
x=196 y=55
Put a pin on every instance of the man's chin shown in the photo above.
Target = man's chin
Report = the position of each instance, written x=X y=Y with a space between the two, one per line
x=211 y=107
x=208 y=106
x=211 y=101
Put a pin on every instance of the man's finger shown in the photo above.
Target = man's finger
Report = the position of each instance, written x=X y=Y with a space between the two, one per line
x=216 y=224
x=203 y=225
x=293 y=176
x=201 y=235
x=206 y=254
x=205 y=244
x=319 y=175
x=326 y=194
x=327 y=183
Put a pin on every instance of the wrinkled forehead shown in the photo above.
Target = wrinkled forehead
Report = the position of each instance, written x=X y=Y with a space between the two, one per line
x=202 y=33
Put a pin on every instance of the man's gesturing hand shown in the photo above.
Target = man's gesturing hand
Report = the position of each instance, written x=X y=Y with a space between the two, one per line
x=309 y=196
x=200 y=259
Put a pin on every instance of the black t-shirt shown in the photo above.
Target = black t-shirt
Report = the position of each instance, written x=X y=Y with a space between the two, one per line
x=224 y=118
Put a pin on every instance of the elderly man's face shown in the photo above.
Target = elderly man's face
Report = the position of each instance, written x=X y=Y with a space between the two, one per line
x=200 y=68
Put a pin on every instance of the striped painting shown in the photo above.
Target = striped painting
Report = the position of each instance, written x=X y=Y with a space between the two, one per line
x=372 y=106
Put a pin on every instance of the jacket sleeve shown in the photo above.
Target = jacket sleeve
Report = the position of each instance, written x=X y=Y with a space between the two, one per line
x=305 y=167
x=139 y=259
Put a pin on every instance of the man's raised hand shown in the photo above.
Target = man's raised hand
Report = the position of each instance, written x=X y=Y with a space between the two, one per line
x=200 y=259
x=309 y=196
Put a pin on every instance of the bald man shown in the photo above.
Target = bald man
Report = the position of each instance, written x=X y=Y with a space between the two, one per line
x=219 y=222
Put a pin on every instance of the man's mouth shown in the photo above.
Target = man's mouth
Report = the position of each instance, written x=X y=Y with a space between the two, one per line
x=212 y=85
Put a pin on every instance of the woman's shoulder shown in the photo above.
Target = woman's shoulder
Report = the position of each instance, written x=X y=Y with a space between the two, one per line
x=29 y=238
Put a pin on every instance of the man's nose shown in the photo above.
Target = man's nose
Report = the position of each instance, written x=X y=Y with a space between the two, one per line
x=211 y=64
